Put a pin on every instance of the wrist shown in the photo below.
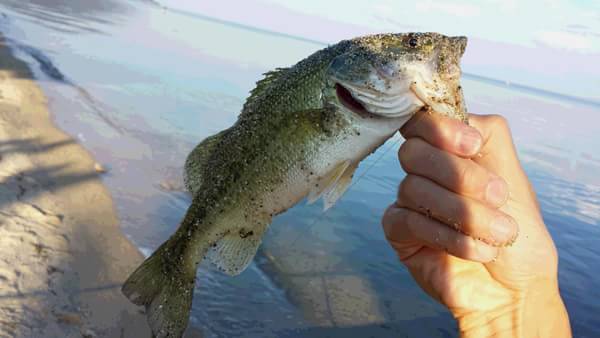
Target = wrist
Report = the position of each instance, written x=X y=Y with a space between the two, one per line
x=538 y=313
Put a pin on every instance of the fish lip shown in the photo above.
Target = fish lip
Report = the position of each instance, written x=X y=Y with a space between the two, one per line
x=430 y=104
x=413 y=89
x=427 y=103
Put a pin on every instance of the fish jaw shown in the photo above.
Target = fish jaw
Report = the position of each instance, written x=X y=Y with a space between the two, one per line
x=446 y=99
x=388 y=97
x=387 y=79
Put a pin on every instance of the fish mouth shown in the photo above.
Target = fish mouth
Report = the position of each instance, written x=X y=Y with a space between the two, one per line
x=347 y=100
x=371 y=103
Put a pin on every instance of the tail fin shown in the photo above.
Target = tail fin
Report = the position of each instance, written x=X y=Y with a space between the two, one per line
x=164 y=284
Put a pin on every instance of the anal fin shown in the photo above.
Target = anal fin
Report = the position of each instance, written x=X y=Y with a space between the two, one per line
x=234 y=251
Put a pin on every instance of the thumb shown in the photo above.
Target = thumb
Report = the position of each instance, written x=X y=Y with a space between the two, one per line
x=498 y=153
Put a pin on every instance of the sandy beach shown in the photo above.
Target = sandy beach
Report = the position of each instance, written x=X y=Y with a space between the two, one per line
x=62 y=254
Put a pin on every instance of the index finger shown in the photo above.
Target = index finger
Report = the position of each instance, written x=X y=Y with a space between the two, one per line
x=444 y=132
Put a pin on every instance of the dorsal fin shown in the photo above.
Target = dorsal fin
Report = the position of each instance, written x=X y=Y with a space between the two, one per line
x=263 y=84
x=196 y=160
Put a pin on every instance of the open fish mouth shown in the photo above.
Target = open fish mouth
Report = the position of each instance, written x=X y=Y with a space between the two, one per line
x=347 y=100
x=370 y=103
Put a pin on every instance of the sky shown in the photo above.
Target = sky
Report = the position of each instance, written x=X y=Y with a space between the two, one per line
x=572 y=25
x=548 y=44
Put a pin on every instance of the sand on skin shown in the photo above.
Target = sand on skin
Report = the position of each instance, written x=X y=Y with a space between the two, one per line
x=62 y=254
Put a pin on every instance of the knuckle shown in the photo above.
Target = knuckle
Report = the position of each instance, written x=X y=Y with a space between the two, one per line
x=410 y=181
x=456 y=245
x=408 y=152
x=466 y=248
x=513 y=228
x=393 y=221
x=498 y=122
x=472 y=249
x=404 y=216
x=446 y=136
x=412 y=220
x=401 y=190
x=464 y=177
x=403 y=154
x=471 y=180
x=406 y=187
x=386 y=220
x=471 y=218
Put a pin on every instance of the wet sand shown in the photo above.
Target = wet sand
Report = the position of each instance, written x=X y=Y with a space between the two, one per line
x=62 y=254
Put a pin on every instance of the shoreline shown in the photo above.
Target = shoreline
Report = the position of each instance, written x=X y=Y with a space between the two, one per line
x=63 y=256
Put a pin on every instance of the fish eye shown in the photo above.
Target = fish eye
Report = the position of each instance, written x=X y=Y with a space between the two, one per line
x=413 y=42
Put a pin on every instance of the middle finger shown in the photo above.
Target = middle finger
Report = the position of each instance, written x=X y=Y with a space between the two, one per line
x=462 y=213
x=463 y=176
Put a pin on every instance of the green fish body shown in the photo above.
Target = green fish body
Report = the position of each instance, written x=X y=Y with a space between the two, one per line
x=301 y=134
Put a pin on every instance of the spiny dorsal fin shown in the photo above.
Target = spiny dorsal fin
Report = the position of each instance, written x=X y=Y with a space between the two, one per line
x=196 y=160
x=262 y=85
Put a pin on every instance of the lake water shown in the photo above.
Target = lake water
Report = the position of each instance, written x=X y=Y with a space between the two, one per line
x=139 y=84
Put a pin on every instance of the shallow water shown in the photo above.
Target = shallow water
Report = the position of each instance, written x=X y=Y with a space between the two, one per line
x=139 y=85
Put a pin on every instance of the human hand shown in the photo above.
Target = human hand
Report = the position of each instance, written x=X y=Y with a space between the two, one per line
x=467 y=225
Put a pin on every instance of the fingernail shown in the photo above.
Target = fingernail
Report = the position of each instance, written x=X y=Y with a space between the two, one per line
x=485 y=252
x=496 y=192
x=469 y=141
x=501 y=229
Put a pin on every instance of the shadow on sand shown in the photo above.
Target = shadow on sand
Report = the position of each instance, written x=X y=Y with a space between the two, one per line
x=44 y=174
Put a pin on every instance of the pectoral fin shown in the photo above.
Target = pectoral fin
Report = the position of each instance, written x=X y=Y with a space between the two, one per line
x=334 y=194
x=332 y=185
x=324 y=183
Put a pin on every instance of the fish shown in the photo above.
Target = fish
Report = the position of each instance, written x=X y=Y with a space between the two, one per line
x=301 y=134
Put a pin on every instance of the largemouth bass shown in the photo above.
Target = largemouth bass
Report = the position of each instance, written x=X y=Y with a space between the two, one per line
x=301 y=133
